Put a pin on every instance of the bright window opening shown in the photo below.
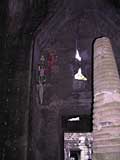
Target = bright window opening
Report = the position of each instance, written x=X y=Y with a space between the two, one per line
x=79 y=75
x=74 y=119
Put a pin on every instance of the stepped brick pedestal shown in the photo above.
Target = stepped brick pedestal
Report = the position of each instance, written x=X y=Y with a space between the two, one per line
x=106 y=112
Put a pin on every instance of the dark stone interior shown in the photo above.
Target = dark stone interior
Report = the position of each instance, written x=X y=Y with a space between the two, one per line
x=75 y=154
x=28 y=29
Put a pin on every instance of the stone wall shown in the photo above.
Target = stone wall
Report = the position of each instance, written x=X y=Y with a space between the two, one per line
x=16 y=28
x=14 y=104
x=84 y=26
x=58 y=32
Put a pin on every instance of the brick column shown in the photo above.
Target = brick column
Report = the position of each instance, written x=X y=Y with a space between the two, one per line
x=106 y=113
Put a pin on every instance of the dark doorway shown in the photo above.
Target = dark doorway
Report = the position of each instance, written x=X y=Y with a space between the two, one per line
x=74 y=128
x=75 y=154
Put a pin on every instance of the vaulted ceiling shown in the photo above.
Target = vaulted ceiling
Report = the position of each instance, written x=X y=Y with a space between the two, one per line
x=26 y=15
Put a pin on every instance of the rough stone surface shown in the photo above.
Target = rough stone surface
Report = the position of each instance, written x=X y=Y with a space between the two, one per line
x=106 y=121
x=106 y=156
x=52 y=24
x=61 y=38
